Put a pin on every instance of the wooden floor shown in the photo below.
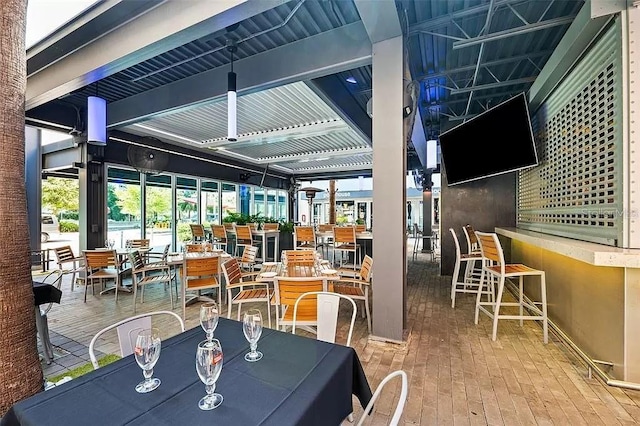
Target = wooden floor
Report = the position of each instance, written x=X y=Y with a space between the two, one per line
x=457 y=374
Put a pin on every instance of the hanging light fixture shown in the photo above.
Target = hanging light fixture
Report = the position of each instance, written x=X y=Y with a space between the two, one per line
x=232 y=118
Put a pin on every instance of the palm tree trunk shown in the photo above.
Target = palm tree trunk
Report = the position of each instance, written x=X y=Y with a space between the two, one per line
x=20 y=370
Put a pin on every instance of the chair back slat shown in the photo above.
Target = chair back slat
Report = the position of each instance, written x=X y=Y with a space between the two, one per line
x=304 y=234
x=201 y=271
x=138 y=243
x=472 y=240
x=195 y=248
x=366 y=268
x=98 y=259
x=325 y=227
x=219 y=232
x=136 y=260
x=64 y=254
x=344 y=234
x=270 y=226
x=232 y=271
x=300 y=257
x=197 y=230
x=243 y=232
x=289 y=289
x=361 y=228
x=228 y=225
x=490 y=247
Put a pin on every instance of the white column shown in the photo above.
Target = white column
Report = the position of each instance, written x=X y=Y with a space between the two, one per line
x=389 y=168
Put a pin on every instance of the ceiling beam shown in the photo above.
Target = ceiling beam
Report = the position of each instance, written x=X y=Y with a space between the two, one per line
x=301 y=60
x=444 y=20
x=334 y=93
x=523 y=29
x=135 y=40
x=309 y=157
x=523 y=80
x=380 y=18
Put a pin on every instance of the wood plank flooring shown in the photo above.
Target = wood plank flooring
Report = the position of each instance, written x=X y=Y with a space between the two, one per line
x=457 y=375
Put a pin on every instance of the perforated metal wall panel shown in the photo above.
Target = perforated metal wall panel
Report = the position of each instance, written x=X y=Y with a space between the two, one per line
x=576 y=190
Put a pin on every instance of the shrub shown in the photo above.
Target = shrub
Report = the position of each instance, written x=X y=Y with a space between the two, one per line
x=184 y=232
x=69 y=226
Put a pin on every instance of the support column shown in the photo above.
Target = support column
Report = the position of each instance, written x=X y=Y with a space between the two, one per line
x=427 y=214
x=332 y=202
x=389 y=169
x=33 y=183
x=92 y=179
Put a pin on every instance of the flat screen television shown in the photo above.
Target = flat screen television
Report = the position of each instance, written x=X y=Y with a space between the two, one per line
x=499 y=140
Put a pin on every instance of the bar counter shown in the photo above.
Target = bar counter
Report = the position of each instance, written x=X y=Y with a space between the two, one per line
x=593 y=294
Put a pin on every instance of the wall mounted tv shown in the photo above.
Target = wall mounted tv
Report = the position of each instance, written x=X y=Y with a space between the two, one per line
x=499 y=140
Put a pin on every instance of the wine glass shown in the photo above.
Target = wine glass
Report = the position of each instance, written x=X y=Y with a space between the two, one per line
x=208 y=365
x=209 y=316
x=147 y=352
x=252 y=327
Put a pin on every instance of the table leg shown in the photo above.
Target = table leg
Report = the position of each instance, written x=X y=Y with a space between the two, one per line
x=276 y=250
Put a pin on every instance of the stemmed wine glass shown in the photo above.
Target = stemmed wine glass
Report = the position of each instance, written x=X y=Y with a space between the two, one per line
x=252 y=327
x=209 y=315
x=147 y=352
x=208 y=365
x=109 y=243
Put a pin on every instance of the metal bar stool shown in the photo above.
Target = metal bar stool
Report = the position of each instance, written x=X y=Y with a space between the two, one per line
x=495 y=269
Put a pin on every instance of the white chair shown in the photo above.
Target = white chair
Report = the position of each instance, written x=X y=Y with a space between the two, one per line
x=470 y=279
x=125 y=329
x=494 y=269
x=401 y=401
x=328 y=305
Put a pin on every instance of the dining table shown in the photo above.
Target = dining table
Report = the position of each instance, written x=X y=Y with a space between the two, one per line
x=299 y=381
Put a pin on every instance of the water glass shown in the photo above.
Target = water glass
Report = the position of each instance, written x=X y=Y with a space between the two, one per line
x=252 y=327
x=147 y=352
x=209 y=315
x=209 y=365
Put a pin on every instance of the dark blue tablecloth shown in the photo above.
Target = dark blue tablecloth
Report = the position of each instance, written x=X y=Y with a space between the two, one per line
x=300 y=381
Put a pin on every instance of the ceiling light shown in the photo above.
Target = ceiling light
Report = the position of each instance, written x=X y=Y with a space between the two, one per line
x=232 y=108
x=351 y=80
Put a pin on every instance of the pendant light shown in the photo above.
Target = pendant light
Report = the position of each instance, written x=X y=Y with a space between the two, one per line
x=232 y=108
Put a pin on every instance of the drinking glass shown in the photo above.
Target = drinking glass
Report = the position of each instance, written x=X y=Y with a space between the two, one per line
x=208 y=365
x=147 y=352
x=209 y=315
x=252 y=327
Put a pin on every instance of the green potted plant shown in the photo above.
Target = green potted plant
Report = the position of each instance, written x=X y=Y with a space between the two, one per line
x=285 y=241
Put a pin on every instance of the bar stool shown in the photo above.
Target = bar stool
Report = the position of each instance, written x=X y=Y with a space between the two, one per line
x=470 y=281
x=494 y=268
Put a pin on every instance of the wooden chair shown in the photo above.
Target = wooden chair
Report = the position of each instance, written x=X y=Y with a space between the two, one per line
x=287 y=290
x=494 y=268
x=197 y=232
x=473 y=246
x=358 y=288
x=200 y=273
x=68 y=263
x=304 y=238
x=470 y=281
x=219 y=233
x=143 y=274
x=126 y=329
x=344 y=241
x=248 y=259
x=101 y=265
x=197 y=247
x=253 y=226
x=154 y=257
x=248 y=290
x=244 y=237
x=299 y=262
x=270 y=226
x=361 y=228
x=327 y=307
x=138 y=243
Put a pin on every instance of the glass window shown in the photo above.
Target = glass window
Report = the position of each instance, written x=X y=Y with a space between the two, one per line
x=123 y=205
x=271 y=203
x=158 y=204
x=209 y=203
x=186 y=207
x=282 y=206
x=258 y=197
x=229 y=199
